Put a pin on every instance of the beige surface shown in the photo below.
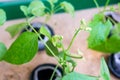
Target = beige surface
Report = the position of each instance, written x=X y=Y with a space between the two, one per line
x=65 y=25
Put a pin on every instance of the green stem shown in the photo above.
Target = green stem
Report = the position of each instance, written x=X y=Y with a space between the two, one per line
x=111 y=19
x=48 y=9
x=73 y=69
x=58 y=9
x=57 y=6
x=106 y=4
x=64 y=60
x=51 y=78
x=74 y=56
x=52 y=8
x=96 y=3
x=64 y=67
x=98 y=77
x=42 y=40
x=73 y=39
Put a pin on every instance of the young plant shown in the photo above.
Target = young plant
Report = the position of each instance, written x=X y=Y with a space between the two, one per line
x=104 y=35
x=104 y=74
x=22 y=43
x=65 y=58
x=37 y=8
x=25 y=46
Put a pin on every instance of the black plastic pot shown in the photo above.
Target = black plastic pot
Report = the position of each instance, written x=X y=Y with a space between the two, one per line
x=37 y=26
x=115 y=17
x=44 y=72
x=114 y=64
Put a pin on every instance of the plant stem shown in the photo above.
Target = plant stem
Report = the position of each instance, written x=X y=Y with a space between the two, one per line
x=111 y=19
x=73 y=69
x=74 y=56
x=73 y=39
x=52 y=8
x=51 y=78
x=106 y=4
x=96 y=3
x=48 y=9
x=64 y=72
x=42 y=40
x=64 y=60
x=57 y=8
x=64 y=56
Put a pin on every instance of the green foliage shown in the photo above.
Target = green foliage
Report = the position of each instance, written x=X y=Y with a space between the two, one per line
x=53 y=1
x=104 y=72
x=45 y=32
x=2 y=17
x=105 y=32
x=112 y=44
x=98 y=36
x=24 y=9
x=57 y=41
x=51 y=47
x=78 y=76
x=68 y=7
x=37 y=8
x=116 y=29
x=23 y=49
x=14 y=29
x=96 y=19
x=3 y=50
x=114 y=40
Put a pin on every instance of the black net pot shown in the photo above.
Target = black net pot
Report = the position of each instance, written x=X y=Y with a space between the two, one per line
x=114 y=64
x=44 y=72
x=37 y=26
x=115 y=17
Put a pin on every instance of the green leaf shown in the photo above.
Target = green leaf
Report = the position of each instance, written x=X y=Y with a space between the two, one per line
x=72 y=62
x=104 y=70
x=68 y=7
x=24 y=9
x=116 y=29
x=119 y=5
x=78 y=76
x=68 y=58
x=3 y=50
x=16 y=28
x=57 y=41
x=51 y=47
x=45 y=32
x=23 y=49
x=98 y=36
x=2 y=16
x=112 y=43
x=96 y=19
x=53 y=1
x=36 y=8
x=38 y=12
